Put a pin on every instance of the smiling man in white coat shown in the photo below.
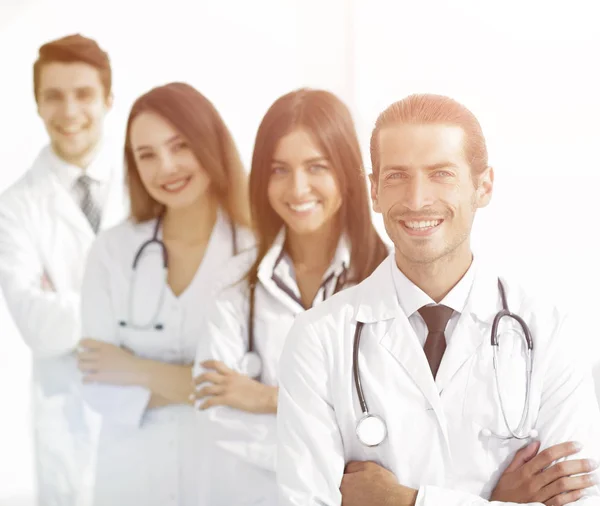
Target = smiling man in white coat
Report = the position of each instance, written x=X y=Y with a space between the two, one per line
x=48 y=220
x=388 y=392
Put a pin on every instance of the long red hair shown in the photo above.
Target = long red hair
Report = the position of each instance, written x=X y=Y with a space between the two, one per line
x=330 y=123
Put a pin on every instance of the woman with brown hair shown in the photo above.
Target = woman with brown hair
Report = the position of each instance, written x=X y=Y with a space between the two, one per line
x=310 y=206
x=147 y=282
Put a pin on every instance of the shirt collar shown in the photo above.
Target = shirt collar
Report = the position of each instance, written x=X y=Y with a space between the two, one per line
x=99 y=169
x=277 y=262
x=411 y=298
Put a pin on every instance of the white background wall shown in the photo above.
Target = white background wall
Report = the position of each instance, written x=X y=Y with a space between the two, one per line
x=526 y=68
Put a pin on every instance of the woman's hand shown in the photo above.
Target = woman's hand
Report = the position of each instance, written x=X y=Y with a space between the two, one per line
x=102 y=362
x=229 y=388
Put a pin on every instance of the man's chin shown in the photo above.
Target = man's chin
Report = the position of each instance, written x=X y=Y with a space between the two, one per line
x=70 y=151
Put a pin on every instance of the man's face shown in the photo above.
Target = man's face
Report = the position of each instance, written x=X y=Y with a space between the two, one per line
x=72 y=104
x=425 y=190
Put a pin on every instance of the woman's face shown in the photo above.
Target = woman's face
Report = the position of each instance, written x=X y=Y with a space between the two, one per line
x=168 y=168
x=303 y=189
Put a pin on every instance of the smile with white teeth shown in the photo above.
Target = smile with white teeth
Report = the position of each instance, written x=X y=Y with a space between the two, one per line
x=176 y=185
x=422 y=225
x=305 y=206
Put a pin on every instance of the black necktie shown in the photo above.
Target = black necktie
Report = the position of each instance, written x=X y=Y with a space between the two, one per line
x=436 y=318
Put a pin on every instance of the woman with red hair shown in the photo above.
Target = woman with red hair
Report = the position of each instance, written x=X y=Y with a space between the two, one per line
x=309 y=203
x=145 y=287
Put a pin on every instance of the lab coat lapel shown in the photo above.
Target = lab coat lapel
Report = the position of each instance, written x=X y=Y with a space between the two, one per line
x=473 y=327
x=56 y=199
x=402 y=343
x=378 y=302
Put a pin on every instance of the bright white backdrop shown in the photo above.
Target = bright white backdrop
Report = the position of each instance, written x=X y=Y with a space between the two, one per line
x=525 y=67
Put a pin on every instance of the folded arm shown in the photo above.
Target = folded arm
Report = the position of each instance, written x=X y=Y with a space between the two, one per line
x=240 y=409
x=47 y=320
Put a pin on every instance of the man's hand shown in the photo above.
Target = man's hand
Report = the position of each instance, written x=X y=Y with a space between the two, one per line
x=533 y=478
x=366 y=483
x=230 y=388
x=102 y=362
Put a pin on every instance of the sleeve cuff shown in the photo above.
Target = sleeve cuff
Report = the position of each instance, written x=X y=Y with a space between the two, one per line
x=118 y=405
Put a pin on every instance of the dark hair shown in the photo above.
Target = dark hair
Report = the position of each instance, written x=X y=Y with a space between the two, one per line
x=73 y=49
x=327 y=119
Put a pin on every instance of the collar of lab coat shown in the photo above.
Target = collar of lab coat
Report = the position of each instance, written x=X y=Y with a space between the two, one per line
x=378 y=301
x=53 y=193
x=277 y=264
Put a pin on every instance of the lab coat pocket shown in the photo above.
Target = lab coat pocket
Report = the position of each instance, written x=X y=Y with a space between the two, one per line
x=150 y=343
x=496 y=399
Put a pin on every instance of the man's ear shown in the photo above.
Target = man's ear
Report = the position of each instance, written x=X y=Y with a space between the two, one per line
x=374 y=192
x=485 y=187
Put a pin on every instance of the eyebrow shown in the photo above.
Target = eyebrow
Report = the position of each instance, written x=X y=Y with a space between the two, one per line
x=309 y=160
x=176 y=137
x=58 y=90
x=435 y=166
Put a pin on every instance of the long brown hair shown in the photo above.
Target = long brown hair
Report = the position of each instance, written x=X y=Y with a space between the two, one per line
x=330 y=123
x=197 y=120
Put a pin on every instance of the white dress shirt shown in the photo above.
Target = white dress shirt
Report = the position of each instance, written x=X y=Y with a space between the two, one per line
x=99 y=172
x=411 y=298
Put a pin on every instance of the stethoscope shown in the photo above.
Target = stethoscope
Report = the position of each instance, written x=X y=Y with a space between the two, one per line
x=251 y=363
x=371 y=429
x=153 y=323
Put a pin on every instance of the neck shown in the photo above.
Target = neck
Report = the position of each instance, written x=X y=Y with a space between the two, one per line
x=192 y=223
x=313 y=251
x=437 y=278
x=82 y=161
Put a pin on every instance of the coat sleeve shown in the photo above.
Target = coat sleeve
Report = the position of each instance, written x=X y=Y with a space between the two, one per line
x=248 y=436
x=47 y=320
x=310 y=457
x=120 y=405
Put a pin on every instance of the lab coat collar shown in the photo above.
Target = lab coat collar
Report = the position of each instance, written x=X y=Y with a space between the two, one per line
x=277 y=266
x=378 y=300
x=54 y=192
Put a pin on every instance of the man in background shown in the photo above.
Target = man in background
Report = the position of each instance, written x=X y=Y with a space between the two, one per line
x=48 y=220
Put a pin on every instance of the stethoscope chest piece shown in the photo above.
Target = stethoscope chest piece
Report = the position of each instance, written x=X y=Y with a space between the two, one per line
x=251 y=364
x=371 y=430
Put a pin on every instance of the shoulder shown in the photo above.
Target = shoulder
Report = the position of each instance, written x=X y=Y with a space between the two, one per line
x=534 y=304
x=325 y=325
x=245 y=238
x=121 y=240
x=18 y=193
x=231 y=282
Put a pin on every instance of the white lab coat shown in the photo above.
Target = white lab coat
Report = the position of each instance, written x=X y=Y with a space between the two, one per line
x=148 y=456
x=247 y=442
x=435 y=442
x=42 y=230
